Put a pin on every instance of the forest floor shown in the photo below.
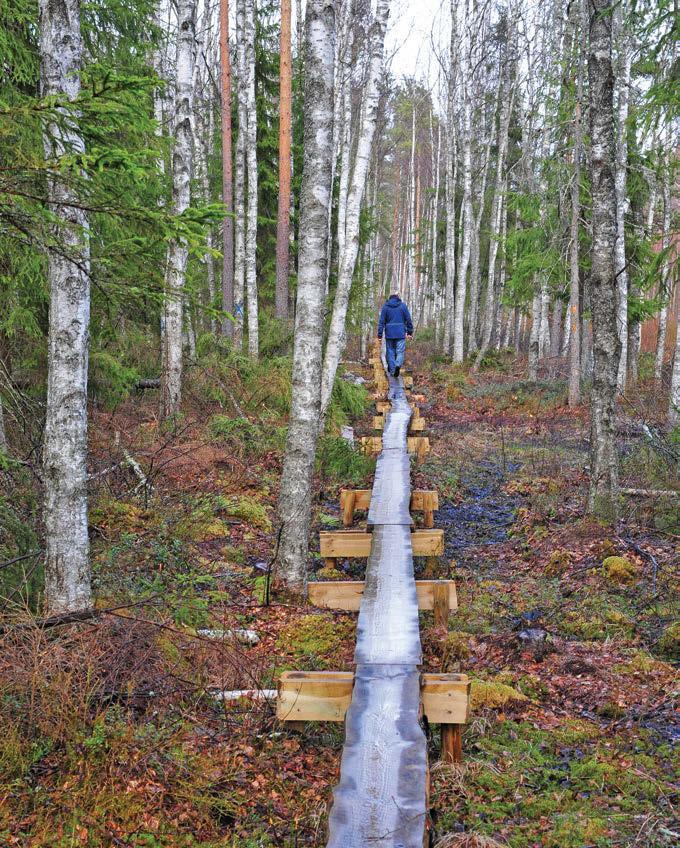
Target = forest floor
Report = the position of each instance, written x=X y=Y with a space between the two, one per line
x=115 y=732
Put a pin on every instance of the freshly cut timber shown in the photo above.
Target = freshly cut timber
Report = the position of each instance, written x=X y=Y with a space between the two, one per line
x=347 y=594
x=422 y=500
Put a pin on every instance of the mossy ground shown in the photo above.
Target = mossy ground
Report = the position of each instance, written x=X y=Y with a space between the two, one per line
x=574 y=616
x=114 y=734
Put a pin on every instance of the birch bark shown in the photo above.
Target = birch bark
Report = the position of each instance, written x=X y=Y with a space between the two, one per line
x=466 y=211
x=664 y=287
x=251 y=169
x=674 y=401
x=315 y=200
x=574 y=270
x=227 y=173
x=603 y=493
x=347 y=259
x=450 y=188
x=171 y=366
x=622 y=89
x=240 y=175
x=64 y=460
x=283 y=220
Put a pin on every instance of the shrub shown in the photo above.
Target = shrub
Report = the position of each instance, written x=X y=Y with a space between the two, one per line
x=339 y=462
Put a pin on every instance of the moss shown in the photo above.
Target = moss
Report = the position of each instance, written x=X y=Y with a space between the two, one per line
x=316 y=639
x=245 y=507
x=456 y=649
x=330 y=573
x=492 y=694
x=558 y=561
x=669 y=643
x=619 y=569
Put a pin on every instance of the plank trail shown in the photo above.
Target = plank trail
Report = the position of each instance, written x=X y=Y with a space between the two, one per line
x=381 y=797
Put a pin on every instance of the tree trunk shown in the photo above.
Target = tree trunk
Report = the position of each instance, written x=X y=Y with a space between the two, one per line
x=347 y=259
x=283 y=220
x=574 y=276
x=171 y=366
x=466 y=213
x=665 y=287
x=227 y=176
x=534 y=337
x=251 y=169
x=240 y=175
x=67 y=561
x=674 y=402
x=603 y=494
x=450 y=188
x=622 y=86
x=315 y=200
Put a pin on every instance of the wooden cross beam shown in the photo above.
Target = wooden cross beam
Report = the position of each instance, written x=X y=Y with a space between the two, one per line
x=356 y=544
x=418 y=445
x=326 y=695
x=422 y=500
x=415 y=425
x=437 y=595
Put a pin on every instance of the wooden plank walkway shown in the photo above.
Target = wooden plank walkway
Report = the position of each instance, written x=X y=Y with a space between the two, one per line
x=381 y=797
x=382 y=794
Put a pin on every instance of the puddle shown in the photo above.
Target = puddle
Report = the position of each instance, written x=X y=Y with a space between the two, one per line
x=486 y=514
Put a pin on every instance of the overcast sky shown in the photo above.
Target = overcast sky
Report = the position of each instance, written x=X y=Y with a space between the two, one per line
x=413 y=27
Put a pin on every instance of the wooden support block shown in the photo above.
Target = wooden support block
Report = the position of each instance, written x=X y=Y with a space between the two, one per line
x=326 y=695
x=419 y=445
x=348 y=505
x=346 y=595
x=357 y=543
x=383 y=406
x=440 y=603
x=422 y=500
x=452 y=743
x=416 y=425
x=371 y=444
x=314 y=695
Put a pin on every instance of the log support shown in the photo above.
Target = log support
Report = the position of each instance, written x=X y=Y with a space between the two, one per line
x=437 y=595
x=422 y=500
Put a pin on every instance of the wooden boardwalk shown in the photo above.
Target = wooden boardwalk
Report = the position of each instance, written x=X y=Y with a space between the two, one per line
x=382 y=795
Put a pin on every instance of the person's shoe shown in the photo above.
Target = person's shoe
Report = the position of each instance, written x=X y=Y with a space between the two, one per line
x=396 y=371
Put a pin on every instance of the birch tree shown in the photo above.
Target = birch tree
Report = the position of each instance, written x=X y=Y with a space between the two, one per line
x=460 y=15
x=171 y=367
x=250 y=131
x=622 y=97
x=347 y=259
x=227 y=175
x=664 y=285
x=240 y=175
x=574 y=269
x=283 y=220
x=315 y=200
x=64 y=461
x=603 y=493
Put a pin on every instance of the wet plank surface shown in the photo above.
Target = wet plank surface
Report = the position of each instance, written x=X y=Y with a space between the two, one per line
x=381 y=796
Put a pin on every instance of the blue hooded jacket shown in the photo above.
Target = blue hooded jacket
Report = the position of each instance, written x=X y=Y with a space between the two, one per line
x=395 y=319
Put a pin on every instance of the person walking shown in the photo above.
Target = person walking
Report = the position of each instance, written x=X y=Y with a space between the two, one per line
x=395 y=322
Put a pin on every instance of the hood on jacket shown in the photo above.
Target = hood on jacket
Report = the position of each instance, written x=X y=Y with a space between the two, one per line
x=394 y=299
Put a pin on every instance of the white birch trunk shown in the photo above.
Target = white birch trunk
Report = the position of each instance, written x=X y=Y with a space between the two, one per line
x=347 y=260
x=674 y=401
x=171 y=367
x=251 y=170
x=240 y=175
x=315 y=199
x=664 y=287
x=451 y=179
x=466 y=235
x=434 y=275
x=623 y=86
x=3 y=435
x=603 y=492
x=534 y=336
x=64 y=460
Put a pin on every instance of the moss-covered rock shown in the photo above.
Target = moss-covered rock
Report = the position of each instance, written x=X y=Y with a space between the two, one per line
x=619 y=569
x=330 y=573
x=493 y=694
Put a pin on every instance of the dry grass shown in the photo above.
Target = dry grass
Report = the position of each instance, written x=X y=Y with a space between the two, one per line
x=468 y=840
